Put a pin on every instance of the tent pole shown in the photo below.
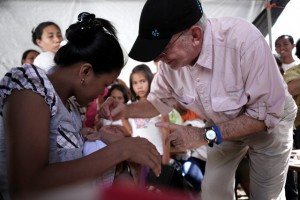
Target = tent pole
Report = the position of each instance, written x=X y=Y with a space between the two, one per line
x=269 y=17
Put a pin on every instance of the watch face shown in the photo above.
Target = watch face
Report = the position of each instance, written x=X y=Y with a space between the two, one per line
x=211 y=135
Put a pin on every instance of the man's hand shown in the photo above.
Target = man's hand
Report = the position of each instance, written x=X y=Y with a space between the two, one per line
x=183 y=137
x=111 y=109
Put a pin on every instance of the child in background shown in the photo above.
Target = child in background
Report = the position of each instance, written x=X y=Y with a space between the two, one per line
x=140 y=83
x=29 y=55
x=90 y=118
x=119 y=93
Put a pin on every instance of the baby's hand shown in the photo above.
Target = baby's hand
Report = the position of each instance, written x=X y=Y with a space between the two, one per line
x=112 y=133
x=90 y=134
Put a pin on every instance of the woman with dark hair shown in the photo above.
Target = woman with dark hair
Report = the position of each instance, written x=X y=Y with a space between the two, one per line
x=118 y=92
x=47 y=36
x=40 y=126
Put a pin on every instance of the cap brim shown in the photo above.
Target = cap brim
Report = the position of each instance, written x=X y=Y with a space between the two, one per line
x=146 y=50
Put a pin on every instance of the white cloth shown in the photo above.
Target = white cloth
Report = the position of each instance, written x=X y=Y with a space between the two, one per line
x=145 y=127
x=107 y=178
x=45 y=60
x=92 y=146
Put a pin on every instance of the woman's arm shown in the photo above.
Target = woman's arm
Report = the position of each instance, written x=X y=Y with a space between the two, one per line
x=27 y=122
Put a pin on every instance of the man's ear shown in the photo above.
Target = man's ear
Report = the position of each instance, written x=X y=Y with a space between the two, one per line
x=196 y=33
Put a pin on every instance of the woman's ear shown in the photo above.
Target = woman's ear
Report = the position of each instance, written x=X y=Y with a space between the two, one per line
x=85 y=70
x=38 y=41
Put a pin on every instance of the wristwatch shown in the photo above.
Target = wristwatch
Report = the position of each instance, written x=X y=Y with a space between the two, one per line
x=210 y=135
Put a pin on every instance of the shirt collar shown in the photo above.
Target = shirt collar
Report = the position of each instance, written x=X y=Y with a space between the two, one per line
x=205 y=57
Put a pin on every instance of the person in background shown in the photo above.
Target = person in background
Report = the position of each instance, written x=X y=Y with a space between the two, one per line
x=29 y=55
x=292 y=78
x=40 y=136
x=118 y=92
x=47 y=35
x=91 y=118
x=90 y=115
x=213 y=66
x=121 y=82
x=284 y=46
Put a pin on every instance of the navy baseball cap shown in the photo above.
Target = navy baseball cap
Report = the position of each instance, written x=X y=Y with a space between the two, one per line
x=159 y=21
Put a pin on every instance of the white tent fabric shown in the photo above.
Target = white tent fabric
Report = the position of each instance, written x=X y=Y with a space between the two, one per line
x=19 y=17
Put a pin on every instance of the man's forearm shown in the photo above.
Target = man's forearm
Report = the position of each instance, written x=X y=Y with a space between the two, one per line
x=240 y=127
x=142 y=109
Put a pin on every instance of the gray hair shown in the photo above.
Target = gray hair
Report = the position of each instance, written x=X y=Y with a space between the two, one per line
x=202 y=22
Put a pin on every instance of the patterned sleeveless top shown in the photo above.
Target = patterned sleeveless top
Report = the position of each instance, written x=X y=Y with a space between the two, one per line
x=65 y=141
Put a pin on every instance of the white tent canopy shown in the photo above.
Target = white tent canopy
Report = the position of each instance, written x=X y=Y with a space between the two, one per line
x=19 y=17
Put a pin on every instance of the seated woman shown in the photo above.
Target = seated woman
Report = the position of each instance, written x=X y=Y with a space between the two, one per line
x=40 y=131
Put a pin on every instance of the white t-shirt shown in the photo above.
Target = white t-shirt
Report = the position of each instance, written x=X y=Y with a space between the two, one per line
x=285 y=67
x=145 y=127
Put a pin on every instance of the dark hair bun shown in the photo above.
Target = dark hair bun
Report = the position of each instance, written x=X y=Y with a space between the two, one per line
x=84 y=31
x=85 y=16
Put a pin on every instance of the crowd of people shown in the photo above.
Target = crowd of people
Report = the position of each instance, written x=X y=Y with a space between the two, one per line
x=221 y=109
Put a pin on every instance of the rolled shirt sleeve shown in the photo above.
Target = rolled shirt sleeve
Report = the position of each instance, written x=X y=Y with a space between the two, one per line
x=264 y=85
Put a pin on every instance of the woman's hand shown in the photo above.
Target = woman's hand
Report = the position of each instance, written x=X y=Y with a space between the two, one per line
x=112 y=133
x=90 y=134
x=141 y=151
x=183 y=137
x=108 y=134
x=98 y=123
